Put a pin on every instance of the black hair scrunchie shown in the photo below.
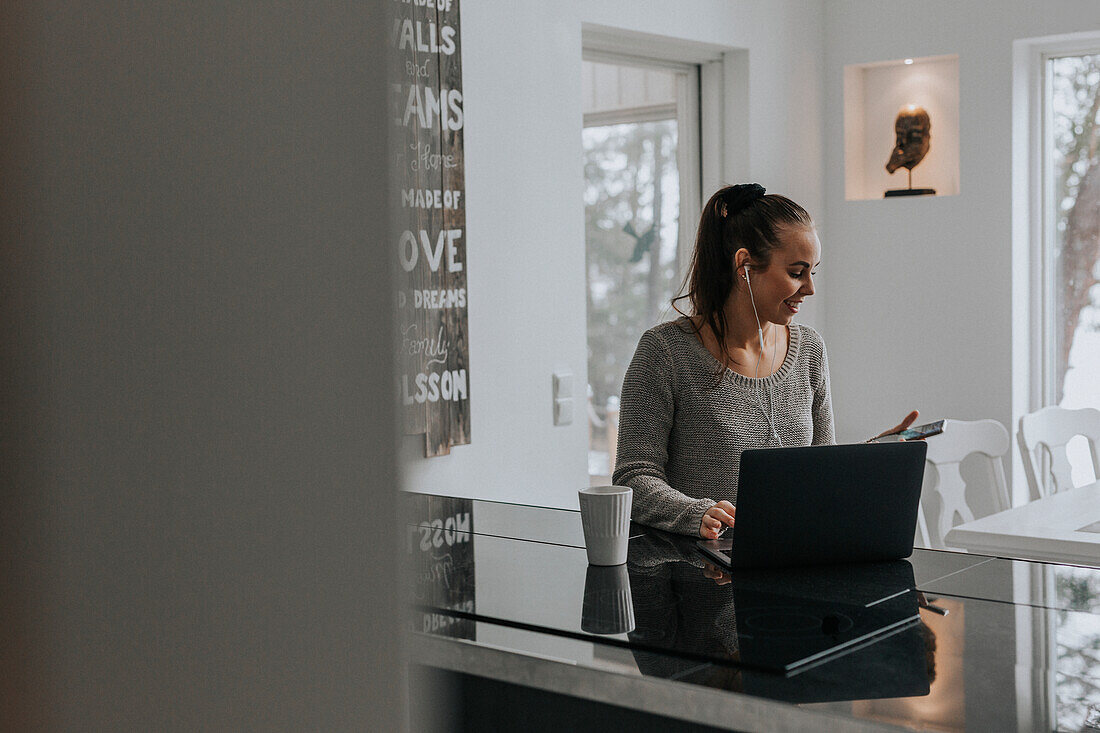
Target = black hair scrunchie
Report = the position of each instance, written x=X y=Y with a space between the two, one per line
x=739 y=197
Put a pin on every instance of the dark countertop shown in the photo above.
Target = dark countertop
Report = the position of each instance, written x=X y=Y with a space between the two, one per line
x=942 y=641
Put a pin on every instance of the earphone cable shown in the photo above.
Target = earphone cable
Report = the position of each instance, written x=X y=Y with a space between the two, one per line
x=769 y=414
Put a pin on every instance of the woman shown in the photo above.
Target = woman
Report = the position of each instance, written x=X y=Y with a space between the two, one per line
x=735 y=374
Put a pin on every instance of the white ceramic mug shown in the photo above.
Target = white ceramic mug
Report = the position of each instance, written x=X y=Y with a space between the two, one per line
x=605 y=517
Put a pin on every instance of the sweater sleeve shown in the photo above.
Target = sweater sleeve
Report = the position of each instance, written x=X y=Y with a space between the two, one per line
x=824 y=432
x=646 y=415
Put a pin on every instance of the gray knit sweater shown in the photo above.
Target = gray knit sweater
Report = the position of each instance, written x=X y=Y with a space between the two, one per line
x=681 y=435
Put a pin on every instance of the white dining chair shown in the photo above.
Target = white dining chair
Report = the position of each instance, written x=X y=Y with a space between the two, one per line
x=1046 y=432
x=944 y=478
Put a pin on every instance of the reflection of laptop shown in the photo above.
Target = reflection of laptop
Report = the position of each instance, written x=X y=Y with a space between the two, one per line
x=821 y=505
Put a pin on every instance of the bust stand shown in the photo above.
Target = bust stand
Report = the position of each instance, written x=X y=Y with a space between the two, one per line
x=910 y=191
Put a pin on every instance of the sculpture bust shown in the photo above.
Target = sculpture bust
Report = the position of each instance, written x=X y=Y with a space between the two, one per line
x=913 y=128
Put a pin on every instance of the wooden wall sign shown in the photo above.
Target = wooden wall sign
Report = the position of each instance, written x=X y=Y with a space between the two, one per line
x=434 y=379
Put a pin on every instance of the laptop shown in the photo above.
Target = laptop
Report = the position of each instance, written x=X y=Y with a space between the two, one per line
x=823 y=505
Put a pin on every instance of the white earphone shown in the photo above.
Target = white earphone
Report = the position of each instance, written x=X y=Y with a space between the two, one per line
x=769 y=414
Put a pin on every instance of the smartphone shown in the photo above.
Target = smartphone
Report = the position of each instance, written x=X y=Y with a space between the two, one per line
x=918 y=433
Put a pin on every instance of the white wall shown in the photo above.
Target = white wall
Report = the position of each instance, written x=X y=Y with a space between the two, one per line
x=525 y=217
x=919 y=292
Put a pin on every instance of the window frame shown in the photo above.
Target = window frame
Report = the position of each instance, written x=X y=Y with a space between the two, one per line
x=1046 y=244
x=721 y=103
x=1033 y=369
x=687 y=113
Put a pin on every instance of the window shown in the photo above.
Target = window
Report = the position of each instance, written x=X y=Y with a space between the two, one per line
x=1070 y=250
x=641 y=198
x=1062 y=226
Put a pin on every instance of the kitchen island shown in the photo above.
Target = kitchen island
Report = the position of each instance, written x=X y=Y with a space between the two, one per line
x=512 y=627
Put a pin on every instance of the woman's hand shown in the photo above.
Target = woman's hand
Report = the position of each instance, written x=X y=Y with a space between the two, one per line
x=720 y=577
x=717 y=518
x=909 y=419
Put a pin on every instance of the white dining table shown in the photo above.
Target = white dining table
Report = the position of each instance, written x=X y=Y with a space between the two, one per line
x=1062 y=527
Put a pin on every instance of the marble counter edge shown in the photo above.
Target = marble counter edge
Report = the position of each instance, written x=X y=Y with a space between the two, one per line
x=719 y=708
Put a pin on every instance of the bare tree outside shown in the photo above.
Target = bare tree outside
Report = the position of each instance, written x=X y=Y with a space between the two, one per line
x=631 y=227
x=1073 y=100
x=1075 y=166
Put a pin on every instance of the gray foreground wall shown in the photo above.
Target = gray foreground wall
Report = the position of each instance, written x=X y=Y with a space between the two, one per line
x=197 y=467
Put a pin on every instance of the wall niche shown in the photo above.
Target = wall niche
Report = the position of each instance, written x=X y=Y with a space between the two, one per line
x=874 y=93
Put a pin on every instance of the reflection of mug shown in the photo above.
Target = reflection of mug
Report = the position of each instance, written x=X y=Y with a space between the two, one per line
x=607 y=607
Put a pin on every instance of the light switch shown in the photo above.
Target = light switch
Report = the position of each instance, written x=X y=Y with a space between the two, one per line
x=563 y=385
x=563 y=411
